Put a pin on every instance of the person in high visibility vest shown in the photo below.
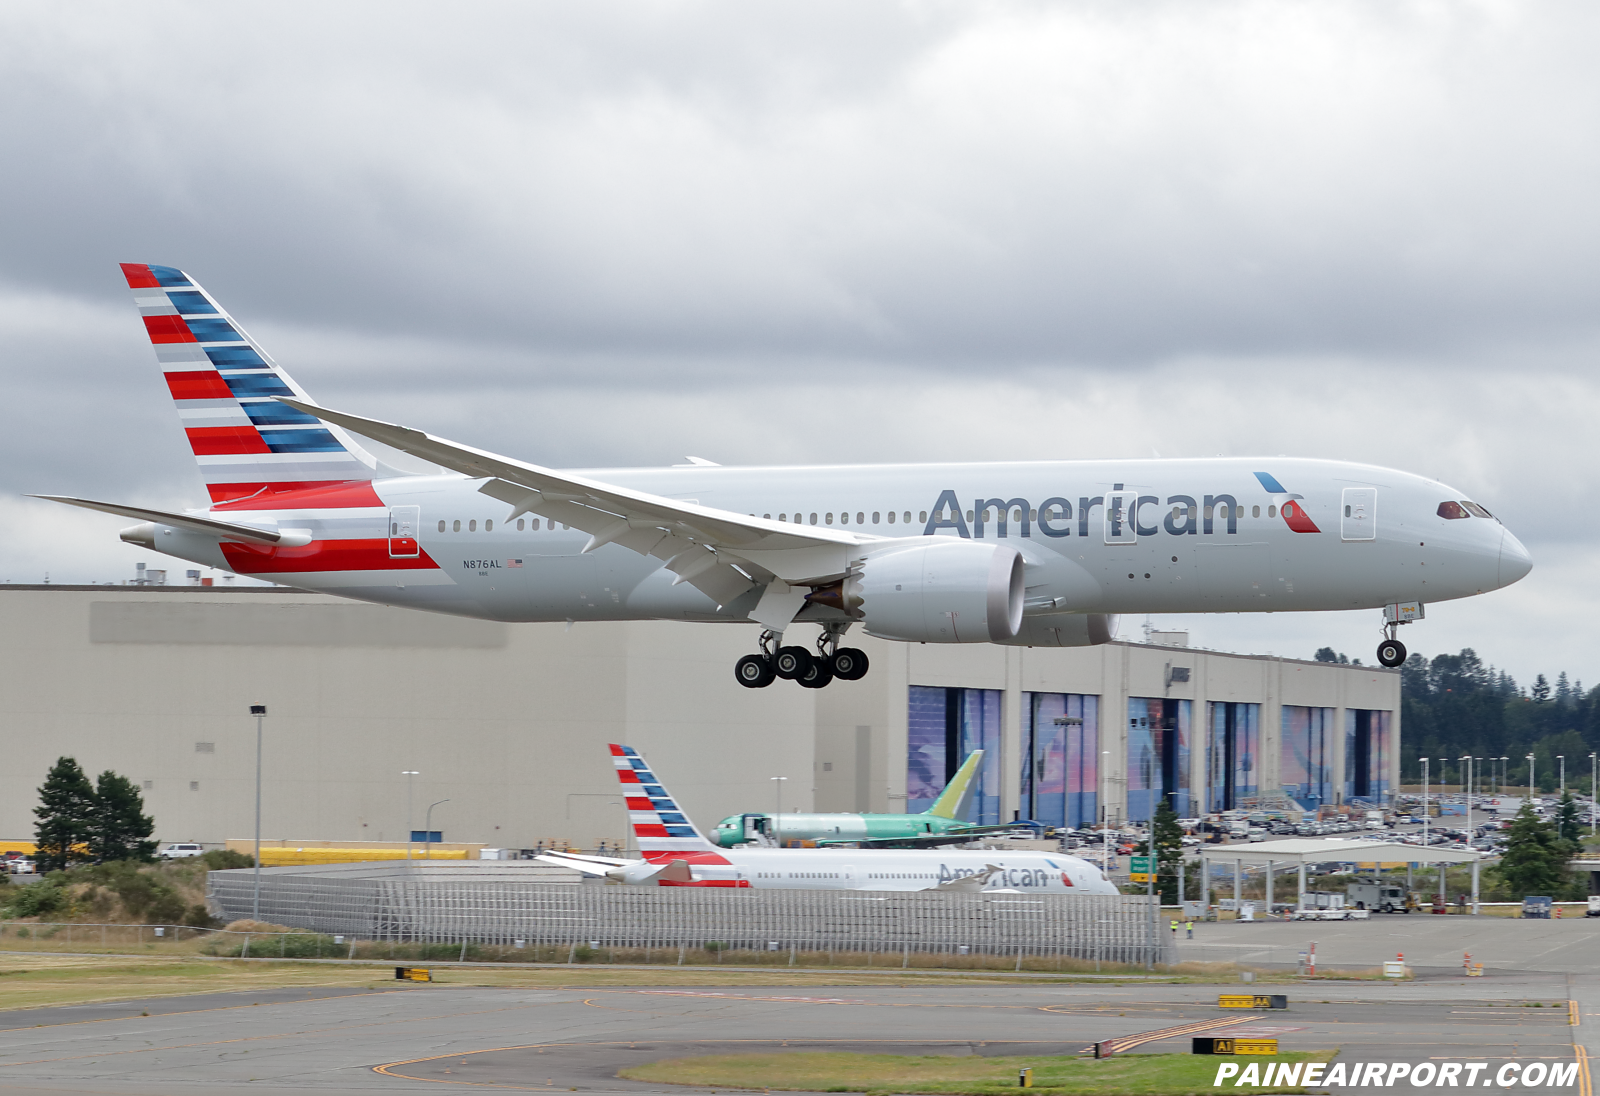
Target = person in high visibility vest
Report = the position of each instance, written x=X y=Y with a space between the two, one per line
x=1174 y=928
x=1190 y=926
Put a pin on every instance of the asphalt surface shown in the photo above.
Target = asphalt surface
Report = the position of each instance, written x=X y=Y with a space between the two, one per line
x=419 y=1038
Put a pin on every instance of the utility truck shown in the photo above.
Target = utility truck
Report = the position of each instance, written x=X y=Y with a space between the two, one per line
x=1380 y=895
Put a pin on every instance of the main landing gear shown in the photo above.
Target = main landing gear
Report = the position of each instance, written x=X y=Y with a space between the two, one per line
x=812 y=671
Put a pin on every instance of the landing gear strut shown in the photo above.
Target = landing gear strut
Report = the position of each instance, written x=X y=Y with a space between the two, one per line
x=1391 y=652
x=811 y=671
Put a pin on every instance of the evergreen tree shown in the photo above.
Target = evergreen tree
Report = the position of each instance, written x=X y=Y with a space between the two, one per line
x=1535 y=860
x=120 y=829
x=64 y=816
x=1563 y=690
x=1168 y=836
x=1541 y=690
x=1566 y=823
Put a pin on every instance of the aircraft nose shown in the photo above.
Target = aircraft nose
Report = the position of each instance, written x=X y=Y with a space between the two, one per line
x=1514 y=559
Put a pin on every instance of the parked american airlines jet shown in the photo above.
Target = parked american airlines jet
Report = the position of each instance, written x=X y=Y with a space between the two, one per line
x=1038 y=553
x=673 y=853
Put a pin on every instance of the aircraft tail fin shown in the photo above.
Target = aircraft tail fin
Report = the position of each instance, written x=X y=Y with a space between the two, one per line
x=659 y=825
x=248 y=445
x=957 y=795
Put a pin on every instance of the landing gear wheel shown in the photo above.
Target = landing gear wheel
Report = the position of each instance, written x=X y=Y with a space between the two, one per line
x=753 y=672
x=820 y=676
x=792 y=663
x=1391 y=653
x=849 y=664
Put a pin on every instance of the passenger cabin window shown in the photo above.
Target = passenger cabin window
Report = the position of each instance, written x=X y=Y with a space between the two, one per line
x=441 y=525
x=1272 y=511
x=813 y=519
x=1476 y=510
x=472 y=526
x=1447 y=509
x=488 y=526
x=922 y=516
x=519 y=525
x=891 y=517
x=455 y=526
x=861 y=518
x=1255 y=511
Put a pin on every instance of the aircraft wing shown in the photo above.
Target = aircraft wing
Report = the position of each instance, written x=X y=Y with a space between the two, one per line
x=589 y=865
x=226 y=530
x=721 y=553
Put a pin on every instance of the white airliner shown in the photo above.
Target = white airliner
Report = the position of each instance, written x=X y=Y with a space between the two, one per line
x=673 y=853
x=1037 y=553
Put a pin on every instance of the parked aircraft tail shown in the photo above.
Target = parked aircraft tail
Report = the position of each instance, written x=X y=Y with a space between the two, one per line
x=248 y=445
x=957 y=795
x=659 y=826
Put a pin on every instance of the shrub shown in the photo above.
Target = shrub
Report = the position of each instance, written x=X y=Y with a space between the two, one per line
x=39 y=899
x=224 y=859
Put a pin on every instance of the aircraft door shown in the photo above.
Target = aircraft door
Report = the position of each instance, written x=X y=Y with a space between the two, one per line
x=1359 y=514
x=403 y=523
x=1120 y=525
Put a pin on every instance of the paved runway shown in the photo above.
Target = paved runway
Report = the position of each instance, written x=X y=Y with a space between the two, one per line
x=1430 y=943
x=418 y=1038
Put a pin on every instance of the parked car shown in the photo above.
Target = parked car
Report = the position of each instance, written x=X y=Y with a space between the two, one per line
x=180 y=850
x=1536 y=906
x=21 y=866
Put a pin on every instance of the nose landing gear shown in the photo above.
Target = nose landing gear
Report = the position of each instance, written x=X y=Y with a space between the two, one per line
x=1391 y=652
x=811 y=671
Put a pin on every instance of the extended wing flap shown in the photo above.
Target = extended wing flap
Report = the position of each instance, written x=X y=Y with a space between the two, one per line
x=587 y=504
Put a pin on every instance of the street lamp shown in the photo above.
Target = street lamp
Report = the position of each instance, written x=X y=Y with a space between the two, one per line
x=1562 y=784
x=1530 y=780
x=1424 y=761
x=1105 y=814
x=1504 y=762
x=408 y=774
x=1466 y=786
x=427 y=831
x=1594 y=805
x=260 y=712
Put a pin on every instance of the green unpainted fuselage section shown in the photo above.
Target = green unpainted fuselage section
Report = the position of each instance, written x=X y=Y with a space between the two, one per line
x=945 y=816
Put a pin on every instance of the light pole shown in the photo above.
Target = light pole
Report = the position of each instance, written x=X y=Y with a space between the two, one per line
x=1105 y=815
x=1466 y=786
x=1530 y=780
x=1504 y=763
x=1424 y=761
x=1562 y=784
x=260 y=712
x=1594 y=805
x=427 y=831
x=408 y=774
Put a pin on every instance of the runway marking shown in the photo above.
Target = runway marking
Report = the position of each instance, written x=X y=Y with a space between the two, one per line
x=1128 y=1042
x=1585 y=1081
x=1574 y=1017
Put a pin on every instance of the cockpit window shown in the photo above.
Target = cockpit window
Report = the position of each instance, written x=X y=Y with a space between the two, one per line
x=1452 y=510
x=1475 y=510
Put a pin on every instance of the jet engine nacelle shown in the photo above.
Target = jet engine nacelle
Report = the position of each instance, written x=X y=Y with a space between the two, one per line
x=941 y=591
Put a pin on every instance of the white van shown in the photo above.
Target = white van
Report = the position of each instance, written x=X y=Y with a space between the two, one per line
x=180 y=850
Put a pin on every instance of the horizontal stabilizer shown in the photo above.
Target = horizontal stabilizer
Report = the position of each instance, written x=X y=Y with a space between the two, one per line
x=223 y=530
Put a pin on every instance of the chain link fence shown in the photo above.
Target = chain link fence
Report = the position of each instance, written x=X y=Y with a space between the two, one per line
x=520 y=904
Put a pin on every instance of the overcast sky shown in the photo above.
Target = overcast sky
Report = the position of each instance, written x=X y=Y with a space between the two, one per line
x=615 y=233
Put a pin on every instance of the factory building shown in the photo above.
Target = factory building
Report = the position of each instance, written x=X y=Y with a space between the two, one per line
x=504 y=726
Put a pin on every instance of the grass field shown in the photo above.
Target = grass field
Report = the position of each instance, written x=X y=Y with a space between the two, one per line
x=1130 y=1074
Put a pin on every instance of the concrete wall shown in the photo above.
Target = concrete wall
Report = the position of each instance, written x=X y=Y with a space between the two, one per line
x=509 y=722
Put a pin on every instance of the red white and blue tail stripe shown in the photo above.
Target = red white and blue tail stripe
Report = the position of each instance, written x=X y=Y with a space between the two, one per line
x=247 y=444
x=659 y=825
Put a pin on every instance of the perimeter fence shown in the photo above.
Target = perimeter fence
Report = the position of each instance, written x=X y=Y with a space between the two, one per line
x=431 y=904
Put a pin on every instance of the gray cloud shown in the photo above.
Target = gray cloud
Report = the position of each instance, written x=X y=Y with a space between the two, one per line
x=616 y=233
